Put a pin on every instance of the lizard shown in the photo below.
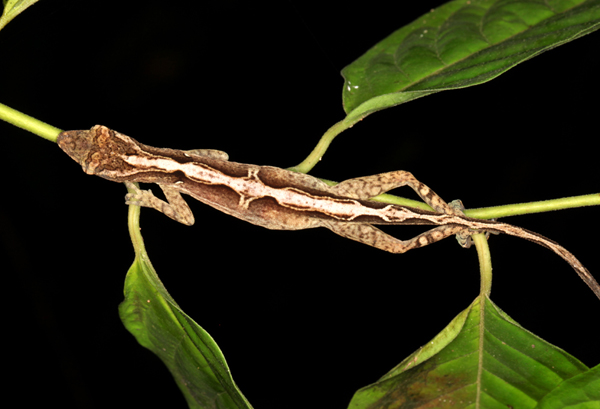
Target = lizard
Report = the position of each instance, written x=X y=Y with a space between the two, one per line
x=281 y=199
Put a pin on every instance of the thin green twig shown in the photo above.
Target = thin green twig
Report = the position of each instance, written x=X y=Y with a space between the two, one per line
x=495 y=212
x=29 y=123
x=133 y=222
x=317 y=153
x=535 y=207
x=485 y=263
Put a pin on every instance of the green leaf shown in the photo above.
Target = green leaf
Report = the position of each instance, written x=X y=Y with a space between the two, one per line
x=581 y=391
x=12 y=8
x=482 y=359
x=159 y=324
x=460 y=44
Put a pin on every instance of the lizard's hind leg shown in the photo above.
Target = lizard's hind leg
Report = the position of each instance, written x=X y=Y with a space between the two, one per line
x=370 y=186
x=368 y=234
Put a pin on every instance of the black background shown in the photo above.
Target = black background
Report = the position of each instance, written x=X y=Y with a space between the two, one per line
x=304 y=318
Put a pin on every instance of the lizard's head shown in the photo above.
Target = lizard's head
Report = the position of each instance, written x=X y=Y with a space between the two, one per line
x=76 y=144
x=96 y=150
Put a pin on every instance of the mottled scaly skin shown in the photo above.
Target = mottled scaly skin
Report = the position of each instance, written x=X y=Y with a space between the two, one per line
x=277 y=198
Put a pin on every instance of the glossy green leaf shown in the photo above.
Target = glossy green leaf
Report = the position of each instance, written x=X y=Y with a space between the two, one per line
x=12 y=8
x=460 y=44
x=482 y=359
x=579 y=392
x=159 y=324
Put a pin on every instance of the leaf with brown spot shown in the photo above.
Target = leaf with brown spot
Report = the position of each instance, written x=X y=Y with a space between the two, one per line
x=482 y=359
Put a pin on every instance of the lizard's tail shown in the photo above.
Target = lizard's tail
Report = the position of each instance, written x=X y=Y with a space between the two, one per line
x=583 y=272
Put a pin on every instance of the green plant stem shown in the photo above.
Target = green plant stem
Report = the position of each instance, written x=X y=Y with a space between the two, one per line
x=141 y=256
x=499 y=211
x=485 y=263
x=480 y=213
x=317 y=153
x=535 y=207
x=133 y=222
x=29 y=123
x=315 y=156
x=506 y=210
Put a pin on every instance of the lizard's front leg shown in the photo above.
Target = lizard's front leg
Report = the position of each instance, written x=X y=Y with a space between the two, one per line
x=176 y=208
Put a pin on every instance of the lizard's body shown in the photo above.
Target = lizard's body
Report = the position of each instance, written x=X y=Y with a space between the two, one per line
x=277 y=198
